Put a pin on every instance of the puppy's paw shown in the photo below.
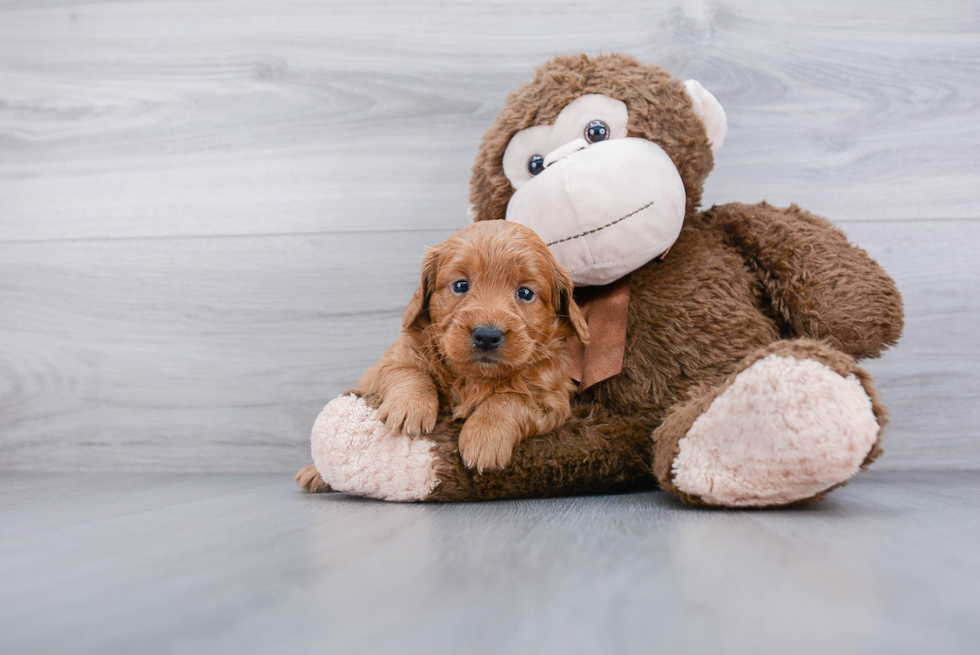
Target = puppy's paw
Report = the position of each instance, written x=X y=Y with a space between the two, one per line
x=412 y=413
x=482 y=445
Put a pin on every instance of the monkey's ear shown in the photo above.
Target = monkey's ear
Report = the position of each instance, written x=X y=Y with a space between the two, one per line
x=710 y=111
x=565 y=306
x=417 y=313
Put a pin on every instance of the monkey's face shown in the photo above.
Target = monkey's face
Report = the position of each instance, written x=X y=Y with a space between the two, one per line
x=604 y=202
x=603 y=156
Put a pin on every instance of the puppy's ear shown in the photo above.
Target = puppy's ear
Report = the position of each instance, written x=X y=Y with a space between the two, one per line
x=417 y=313
x=565 y=306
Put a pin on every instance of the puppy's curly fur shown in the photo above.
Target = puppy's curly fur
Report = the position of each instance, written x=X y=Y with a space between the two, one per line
x=507 y=393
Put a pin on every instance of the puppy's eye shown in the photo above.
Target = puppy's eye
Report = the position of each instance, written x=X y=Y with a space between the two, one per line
x=460 y=286
x=525 y=294
x=596 y=131
x=535 y=164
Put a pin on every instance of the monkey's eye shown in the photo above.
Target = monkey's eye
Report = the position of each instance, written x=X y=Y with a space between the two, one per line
x=535 y=164
x=525 y=294
x=596 y=131
x=460 y=286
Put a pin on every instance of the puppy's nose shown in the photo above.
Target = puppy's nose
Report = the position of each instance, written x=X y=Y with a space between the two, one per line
x=487 y=337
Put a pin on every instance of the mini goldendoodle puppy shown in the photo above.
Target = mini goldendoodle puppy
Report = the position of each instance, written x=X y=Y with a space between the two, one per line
x=484 y=334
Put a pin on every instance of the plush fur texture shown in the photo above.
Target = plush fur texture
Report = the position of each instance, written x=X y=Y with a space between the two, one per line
x=358 y=454
x=515 y=390
x=668 y=436
x=785 y=429
x=741 y=283
x=595 y=451
x=604 y=207
x=659 y=111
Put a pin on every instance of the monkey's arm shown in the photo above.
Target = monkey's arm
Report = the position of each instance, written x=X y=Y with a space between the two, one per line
x=594 y=451
x=820 y=285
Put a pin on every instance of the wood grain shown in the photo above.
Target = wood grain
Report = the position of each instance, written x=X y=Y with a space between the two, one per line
x=118 y=563
x=192 y=353
x=931 y=380
x=212 y=214
x=164 y=118
x=216 y=353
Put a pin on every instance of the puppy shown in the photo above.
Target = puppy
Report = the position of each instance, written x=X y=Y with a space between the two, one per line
x=484 y=334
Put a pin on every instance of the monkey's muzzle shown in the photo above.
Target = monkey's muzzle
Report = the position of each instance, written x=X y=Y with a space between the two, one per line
x=604 y=210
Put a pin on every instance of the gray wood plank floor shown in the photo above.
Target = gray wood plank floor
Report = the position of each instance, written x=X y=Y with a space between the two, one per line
x=248 y=564
x=212 y=214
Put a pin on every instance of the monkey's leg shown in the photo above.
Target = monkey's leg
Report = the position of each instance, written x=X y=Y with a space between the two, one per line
x=797 y=419
x=594 y=452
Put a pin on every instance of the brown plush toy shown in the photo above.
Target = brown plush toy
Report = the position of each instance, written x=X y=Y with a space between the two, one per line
x=723 y=360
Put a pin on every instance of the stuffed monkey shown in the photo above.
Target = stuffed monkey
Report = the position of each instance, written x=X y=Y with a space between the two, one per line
x=722 y=366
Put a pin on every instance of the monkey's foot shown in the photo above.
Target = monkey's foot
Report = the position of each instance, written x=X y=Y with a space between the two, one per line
x=787 y=428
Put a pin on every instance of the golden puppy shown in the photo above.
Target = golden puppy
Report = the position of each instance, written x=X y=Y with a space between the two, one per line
x=484 y=333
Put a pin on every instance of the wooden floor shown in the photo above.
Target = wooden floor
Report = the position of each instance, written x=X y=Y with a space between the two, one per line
x=247 y=564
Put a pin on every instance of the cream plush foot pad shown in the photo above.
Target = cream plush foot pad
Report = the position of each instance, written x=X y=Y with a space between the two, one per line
x=786 y=429
x=355 y=453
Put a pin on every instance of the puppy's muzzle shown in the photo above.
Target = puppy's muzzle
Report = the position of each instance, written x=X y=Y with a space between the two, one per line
x=487 y=337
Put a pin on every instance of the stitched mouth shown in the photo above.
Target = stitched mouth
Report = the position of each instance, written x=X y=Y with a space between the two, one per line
x=602 y=227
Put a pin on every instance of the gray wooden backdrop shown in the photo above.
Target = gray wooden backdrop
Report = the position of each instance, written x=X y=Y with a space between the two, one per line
x=212 y=213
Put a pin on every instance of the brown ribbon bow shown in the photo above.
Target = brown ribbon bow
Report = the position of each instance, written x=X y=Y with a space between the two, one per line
x=605 y=309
